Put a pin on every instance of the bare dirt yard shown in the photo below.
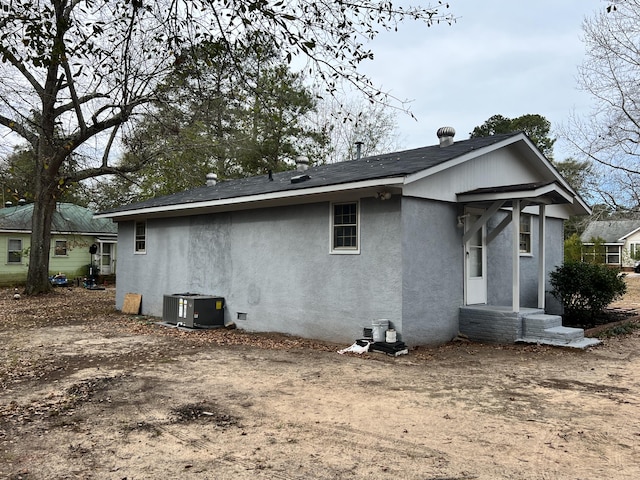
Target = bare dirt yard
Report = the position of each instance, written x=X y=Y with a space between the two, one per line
x=89 y=393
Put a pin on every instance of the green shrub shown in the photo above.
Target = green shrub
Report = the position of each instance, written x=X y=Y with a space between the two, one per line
x=573 y=248
x=585 y=290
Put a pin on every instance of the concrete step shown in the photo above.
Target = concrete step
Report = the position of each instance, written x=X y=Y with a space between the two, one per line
x=536 y=324
x=548 y=330
x=567 y=334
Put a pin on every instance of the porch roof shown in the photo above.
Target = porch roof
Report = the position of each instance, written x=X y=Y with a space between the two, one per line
x=540 y=193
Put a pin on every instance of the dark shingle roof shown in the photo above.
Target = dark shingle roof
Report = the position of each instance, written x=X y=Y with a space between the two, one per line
x=611 y=231
x=370 y=168
x=66 y=218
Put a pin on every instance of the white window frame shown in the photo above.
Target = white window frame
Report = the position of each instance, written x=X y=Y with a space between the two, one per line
x=526 y=235
x=344 y=250
x=55 y=248
x=613 y=251
x=139 y=238
x=10 y=251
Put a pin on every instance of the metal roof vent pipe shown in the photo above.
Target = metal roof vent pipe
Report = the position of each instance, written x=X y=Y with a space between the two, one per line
x=22 y=202
x=302 y=163
x=212 y=179
x=446 y=134
x=359 y=150
x=8 y=204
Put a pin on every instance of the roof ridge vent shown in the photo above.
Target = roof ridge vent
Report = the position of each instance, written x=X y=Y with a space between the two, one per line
x=446 y=134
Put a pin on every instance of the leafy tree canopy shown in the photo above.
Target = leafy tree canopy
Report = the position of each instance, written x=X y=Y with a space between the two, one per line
x=535 y=126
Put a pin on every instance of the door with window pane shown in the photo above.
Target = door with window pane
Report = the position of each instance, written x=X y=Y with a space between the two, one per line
x=475 y=264
x=106 y=259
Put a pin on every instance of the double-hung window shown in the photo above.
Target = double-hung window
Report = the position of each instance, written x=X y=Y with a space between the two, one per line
x=140 y=237
x=525 y=234
x=345 y=228
x=14 y=251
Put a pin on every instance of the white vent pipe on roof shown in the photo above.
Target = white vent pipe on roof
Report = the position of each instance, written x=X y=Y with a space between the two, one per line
x=212 y=179
x=302 y=163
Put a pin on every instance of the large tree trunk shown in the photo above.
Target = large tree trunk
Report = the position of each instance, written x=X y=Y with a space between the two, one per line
x=38 y=273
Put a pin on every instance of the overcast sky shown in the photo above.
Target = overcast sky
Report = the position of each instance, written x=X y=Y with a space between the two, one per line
x=507 y=57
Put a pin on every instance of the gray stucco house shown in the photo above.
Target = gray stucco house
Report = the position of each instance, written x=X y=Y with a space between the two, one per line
x=454 y=237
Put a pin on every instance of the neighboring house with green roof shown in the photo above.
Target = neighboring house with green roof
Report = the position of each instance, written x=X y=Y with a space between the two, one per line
x=73 y=231
x=620 y=240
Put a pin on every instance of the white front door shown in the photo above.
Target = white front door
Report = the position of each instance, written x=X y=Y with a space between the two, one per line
x=475 y=252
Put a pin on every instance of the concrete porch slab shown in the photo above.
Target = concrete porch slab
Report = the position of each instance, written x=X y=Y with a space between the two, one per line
x=580 y=343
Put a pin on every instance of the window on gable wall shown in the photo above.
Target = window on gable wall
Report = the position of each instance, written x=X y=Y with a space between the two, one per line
x=525 y=233
x=14 y=251
x=345 y=228
x=141 y=237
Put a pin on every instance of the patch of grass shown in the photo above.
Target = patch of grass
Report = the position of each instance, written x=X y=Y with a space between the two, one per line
x=620 y=329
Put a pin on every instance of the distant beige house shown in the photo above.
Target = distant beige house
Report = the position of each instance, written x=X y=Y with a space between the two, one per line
x=74 y=230
x=620 y=240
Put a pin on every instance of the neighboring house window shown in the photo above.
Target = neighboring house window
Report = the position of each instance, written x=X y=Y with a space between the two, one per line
x=345 y=228
x=612 y=254
x=525 y=234
x=60 y=249
x=634 y=251
x=141 y=237
x=609 y=254
x=14 y=254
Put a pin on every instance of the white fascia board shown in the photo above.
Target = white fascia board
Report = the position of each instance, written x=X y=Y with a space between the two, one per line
x=255 y=199
x=56 y=232
x=624 y=237
x=461 y=159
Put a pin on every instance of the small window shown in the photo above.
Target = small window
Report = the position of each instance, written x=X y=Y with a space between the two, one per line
x=634 y=251
x=60 y=248
x=525 y=233
x=14 y=254
x=141 y=237
x=345 y=228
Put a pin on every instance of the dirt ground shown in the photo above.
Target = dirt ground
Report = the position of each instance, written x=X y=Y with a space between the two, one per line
x=89 y=393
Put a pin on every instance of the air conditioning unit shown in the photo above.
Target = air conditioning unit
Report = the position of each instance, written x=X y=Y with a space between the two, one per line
x=193 y=310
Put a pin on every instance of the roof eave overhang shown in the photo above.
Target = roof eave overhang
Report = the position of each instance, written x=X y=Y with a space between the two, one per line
x=249 y=201
x=632 y=232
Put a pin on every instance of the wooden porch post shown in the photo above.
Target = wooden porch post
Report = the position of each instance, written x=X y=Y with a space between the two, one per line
x=516 y=256
x=542 y=222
